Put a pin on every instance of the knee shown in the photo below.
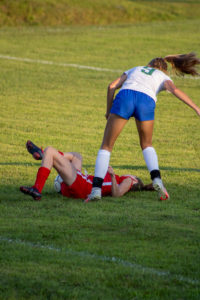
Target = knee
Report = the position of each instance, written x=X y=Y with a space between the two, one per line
x=49 y=151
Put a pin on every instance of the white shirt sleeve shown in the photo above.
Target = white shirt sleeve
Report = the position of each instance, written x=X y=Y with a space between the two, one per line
x=128 y=71
x=165 y=78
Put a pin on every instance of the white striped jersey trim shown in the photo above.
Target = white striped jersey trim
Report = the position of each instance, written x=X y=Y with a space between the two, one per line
x=88 y=180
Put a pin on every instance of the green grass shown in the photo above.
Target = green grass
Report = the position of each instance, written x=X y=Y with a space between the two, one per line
x=64 y=107
x=96 y=12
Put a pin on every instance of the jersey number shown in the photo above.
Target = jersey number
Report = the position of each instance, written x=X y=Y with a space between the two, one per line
x=148 y=70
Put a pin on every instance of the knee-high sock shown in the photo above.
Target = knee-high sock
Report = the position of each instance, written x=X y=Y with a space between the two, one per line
x=42 y=175
x=102 y=163
x=151 y=158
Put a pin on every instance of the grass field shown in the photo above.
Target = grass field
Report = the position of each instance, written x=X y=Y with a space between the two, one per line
x=133 y=247
x=96 y=12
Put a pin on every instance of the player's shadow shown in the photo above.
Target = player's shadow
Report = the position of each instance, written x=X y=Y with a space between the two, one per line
x=161 y=168
x=20 y=164
x=128 y=167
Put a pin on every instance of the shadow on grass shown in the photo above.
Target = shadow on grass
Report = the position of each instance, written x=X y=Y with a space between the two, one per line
x=145 y=168
x=20 y=164
x=128 y=167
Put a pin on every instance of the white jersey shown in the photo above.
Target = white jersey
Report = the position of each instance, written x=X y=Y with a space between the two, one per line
x=147 y=80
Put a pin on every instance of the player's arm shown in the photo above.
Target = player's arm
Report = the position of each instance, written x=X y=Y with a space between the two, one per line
x=75 y=158
x=169 y=86
x=113 y=86
x=119 y=190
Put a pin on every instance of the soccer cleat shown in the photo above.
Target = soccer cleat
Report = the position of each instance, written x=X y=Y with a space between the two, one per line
x=31 y=191
x=34 y=150
x=159 y=187
x=95 y=195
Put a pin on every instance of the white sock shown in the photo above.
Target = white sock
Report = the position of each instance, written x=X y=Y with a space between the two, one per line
x=151 y=158
x=102 y=163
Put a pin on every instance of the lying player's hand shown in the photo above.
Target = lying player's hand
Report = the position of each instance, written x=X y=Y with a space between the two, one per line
x=111 y=171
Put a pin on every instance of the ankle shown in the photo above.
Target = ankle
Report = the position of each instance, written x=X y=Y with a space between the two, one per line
x=155 y=174
x=97 y=182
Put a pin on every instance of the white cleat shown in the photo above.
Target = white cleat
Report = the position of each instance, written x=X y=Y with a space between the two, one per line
x=159 y=187
x=95 y=195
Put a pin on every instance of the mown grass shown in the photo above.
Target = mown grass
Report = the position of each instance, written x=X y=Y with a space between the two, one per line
x=54 y=249
x=67 y=12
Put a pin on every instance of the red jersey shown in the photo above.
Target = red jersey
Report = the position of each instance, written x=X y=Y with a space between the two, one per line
x=82 y=185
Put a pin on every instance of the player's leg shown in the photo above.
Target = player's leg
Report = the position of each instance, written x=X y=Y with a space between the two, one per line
x=145 y=131
x=51 y=158
x=56 y=159
x=65 y=167
x=114 y=126
x=122 y=109
x=75 y=158
x=43 y=172
x=35 y=151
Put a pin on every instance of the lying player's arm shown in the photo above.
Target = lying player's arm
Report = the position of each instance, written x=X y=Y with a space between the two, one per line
x=119 y=190
x=75 y=158
x=169 y=86
x=113 y=86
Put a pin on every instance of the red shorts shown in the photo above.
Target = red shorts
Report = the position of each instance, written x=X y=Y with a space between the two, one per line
x=81 y=187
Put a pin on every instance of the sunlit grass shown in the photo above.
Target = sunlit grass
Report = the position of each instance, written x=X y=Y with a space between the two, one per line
x=64 y=107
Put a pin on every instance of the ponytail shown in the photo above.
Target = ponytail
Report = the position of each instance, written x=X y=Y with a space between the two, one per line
x=184 y=63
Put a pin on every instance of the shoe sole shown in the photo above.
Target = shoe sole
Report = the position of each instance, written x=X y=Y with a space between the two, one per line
x=92 y=199
x=163 y=195
x=30 y=146
x=37 y=156
x=27 y=192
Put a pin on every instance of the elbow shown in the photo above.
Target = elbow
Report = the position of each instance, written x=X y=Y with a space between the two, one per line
x=174 y=91
x=111 y=86
x=80 y=157
x=117 y=194
x=171 y=88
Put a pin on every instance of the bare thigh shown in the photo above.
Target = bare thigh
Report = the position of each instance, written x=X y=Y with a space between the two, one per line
x=145 y=131
x=65 y=168
x=52 y=158
x=114 y=126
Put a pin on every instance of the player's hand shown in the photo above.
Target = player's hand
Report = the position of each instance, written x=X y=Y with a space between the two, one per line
x=111 y=171
x=106 y=116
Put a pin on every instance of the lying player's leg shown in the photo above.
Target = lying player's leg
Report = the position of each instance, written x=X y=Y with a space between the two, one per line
x=38 y=153
x=51 y=158
x=64 y=165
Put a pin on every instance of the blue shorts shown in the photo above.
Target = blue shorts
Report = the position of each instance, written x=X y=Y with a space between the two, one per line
x=129 y=103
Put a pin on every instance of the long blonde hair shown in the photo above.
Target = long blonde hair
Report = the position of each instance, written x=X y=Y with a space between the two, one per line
x=181 y=63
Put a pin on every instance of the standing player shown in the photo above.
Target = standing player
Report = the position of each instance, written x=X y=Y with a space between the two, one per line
x=74 y=183
x=137 y=98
